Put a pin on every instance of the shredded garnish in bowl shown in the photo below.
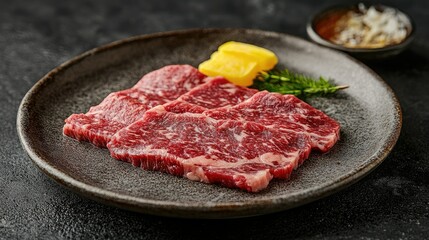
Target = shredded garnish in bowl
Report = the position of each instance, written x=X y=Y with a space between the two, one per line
x=360 y=27
x=370 y=28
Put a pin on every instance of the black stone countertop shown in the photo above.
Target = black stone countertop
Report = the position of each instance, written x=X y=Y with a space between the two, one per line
x=392 y=202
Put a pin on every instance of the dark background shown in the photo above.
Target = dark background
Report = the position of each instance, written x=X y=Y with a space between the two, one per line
x=36 y=36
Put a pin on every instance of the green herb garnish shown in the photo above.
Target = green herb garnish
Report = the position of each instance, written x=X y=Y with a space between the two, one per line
x=286 y=82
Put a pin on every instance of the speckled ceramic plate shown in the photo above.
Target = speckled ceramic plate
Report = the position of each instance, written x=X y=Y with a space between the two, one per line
x=368 y=112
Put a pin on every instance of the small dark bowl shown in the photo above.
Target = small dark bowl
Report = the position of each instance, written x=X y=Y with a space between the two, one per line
x=361 y=53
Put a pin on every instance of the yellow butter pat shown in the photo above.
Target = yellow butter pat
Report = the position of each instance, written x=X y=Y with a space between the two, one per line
x=238 y=62
x=236 y=69
x=265 y=58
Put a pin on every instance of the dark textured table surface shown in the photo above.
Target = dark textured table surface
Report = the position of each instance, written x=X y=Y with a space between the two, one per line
x=392 y=202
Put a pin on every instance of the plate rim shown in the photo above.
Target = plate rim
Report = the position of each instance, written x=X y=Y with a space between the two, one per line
x=189 y=209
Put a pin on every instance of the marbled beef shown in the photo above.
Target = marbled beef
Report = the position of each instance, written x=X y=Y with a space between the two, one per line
x=242 y=146
x=119 y=109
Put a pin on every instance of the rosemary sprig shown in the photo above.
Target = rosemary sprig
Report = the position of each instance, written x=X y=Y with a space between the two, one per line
x=286 y=82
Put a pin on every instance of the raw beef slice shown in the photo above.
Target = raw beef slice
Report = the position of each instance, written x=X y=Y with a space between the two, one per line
x=285 y=113
x=119 y=109
x=240 y=154
x=242 y=146
x=217 y=92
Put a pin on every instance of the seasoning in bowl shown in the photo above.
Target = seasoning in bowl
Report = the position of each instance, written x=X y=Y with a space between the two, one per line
x=362 y=29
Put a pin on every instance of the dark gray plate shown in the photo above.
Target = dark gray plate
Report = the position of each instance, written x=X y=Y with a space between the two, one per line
x=368 y=112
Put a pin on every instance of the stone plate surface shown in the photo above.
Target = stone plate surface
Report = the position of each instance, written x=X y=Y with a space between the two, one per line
x=368 y=112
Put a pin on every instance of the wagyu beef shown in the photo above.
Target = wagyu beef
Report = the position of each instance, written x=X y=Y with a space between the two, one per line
x=217 y=92
x=284 y=113
x=178 y=121
x=243 y=145
x=119 y=109
x=240 y=154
